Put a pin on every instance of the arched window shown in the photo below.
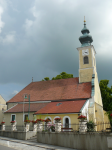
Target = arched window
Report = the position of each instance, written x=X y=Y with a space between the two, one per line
x=45 y=125
x=66 y=123
x=48 y=117
x=55 y=117
x=86 y=60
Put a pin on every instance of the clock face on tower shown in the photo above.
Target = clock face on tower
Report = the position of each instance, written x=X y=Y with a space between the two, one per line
x=85 y=52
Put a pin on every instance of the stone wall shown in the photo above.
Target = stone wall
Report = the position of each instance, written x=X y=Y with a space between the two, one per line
x=88 y=141
x=18 y=134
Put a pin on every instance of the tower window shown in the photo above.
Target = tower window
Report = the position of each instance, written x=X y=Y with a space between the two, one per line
x=86 y=60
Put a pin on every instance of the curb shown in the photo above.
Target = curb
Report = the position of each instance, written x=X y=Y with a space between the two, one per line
x=27 y=143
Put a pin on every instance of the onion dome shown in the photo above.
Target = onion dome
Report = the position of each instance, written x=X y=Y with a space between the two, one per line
x=85 y=39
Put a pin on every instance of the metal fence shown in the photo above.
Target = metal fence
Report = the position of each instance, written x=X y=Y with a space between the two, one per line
x=103 y=127
x=98 y=127
x=18 y=127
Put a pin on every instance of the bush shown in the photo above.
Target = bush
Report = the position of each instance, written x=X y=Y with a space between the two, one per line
x=90 y=126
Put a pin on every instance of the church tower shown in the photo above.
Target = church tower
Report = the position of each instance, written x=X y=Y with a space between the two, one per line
x=88 y=73
x=87 y=62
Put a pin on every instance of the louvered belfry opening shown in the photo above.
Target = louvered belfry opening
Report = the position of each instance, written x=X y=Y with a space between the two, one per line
x=86 y=60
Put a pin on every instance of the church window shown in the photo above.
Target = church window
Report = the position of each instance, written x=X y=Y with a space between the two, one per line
x=66 y=123
x=86 y=60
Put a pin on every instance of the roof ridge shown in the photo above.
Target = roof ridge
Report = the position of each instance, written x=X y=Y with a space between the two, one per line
x=55 y=90
x=55 y=79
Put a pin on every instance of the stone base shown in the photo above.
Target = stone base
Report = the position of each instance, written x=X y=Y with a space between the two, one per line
x=27 y=127
x=39 y=127
x=35 y=127
x=58 y=127
x=3 y=127
x=13 y=127
x=83 y=126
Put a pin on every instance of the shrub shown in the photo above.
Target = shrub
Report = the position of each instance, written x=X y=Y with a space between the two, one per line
x=90 y=126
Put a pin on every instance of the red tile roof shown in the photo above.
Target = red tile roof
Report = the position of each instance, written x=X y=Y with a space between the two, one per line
x=61 y=89
x=64 y=107
x=33 y=107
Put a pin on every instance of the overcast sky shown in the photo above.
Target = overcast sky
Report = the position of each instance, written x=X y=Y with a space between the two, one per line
x=38 y=38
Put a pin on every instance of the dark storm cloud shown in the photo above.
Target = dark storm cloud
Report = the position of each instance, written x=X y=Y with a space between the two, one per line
x=39 y=38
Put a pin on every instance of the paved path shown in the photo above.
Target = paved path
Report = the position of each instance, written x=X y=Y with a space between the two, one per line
x=5 y=148
x=26 y=145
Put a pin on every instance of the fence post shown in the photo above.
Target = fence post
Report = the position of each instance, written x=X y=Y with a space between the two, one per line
x=82 y=126
x=3 y=127
x=27 y=127
x=39 y=126
x=35 y=127
x=13 y=126
x=58 y=127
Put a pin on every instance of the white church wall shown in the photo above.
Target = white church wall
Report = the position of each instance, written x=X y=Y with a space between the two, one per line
x=84 y=110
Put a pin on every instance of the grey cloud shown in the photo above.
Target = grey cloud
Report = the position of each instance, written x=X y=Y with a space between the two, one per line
x=46 y=36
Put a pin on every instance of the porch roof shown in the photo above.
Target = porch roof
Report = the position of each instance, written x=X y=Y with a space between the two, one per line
x=62 y=107
x=33 y=107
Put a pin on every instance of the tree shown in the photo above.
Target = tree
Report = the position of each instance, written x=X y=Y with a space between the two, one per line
x=106 y=94
x=62 y=75
x=45 y=79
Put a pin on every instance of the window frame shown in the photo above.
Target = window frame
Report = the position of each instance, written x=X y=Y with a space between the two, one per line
x=83 y=60
x=24 y=116
x=64 y=121
x=68 y=122
x=11 y=117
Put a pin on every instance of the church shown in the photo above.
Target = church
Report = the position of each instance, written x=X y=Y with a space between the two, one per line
x=65 y=98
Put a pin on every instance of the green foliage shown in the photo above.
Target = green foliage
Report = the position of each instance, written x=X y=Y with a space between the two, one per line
x=109 y=117
x=62 y=75
x=46 y=78
x=106 y=94
x=58 y=77
x=26 y=117
x=52 y=128
x=90 y=126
